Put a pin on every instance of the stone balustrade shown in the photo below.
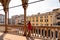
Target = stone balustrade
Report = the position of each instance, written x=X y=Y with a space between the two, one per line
x=44 y=32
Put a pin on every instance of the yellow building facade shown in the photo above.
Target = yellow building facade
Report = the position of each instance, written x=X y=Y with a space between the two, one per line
x=40 y=19
x=44 y=19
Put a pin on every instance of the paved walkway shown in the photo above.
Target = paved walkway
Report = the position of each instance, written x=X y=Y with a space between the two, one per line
x=12 y=37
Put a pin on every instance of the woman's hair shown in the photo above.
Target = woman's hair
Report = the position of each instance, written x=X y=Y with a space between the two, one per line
x=29 y=22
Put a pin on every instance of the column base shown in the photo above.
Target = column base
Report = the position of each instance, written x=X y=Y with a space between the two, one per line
x=5 y=31
x=24 y=34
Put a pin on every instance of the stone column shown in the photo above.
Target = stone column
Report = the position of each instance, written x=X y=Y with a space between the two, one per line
x=56 y=33
x=44 y=33
x=47 y=34
x=50 y=35
x=38 y=32
x=25 y=5
x=59 y=35
x=54 y=36
x=41 y=32
x=35 y=32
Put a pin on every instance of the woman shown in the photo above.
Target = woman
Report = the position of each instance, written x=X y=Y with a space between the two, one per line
x=29 y=28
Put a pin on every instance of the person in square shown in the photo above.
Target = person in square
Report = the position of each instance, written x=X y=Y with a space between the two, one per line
x=29 y=26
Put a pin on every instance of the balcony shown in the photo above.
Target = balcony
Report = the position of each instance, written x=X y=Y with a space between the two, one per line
x=39 y=32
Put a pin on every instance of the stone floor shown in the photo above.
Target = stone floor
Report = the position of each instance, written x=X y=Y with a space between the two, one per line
x=12 y=37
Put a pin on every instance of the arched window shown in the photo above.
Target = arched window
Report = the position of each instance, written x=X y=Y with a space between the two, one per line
x=45 y=32
x=42 y=32
x=39 y=31
x=56 y=33
x=48 y=33
x=36 y=31
x=52 y=33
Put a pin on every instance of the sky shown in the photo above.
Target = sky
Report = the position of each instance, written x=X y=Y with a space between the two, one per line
x=42 y=7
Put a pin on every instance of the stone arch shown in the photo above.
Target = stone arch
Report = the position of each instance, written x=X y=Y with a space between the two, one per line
x=46 y=29
x=42 y=32
x=49 y=33
x=36 y=31
x=5 y=4
x=39 y=30
x=52 y=34
x=56 y=33
x=45 y=32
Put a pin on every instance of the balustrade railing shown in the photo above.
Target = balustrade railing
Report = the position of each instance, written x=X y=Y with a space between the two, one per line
x=44 y=32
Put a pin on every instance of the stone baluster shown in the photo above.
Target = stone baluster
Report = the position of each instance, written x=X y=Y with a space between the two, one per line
x=41 y=32
x=59 y=35
x=54 y=35
x=33 y=31
x=50 y=34
x=37 y=32
x=47 y=34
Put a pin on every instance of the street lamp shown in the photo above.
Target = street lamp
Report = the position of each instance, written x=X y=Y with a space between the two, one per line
x=5 y=4
x=25 y=5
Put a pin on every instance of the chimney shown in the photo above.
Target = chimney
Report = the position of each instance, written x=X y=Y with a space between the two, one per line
x=38 y=13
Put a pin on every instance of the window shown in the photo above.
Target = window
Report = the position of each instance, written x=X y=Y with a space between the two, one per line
x=42 y=32
x=51 y=24
x=58 y=17
x=33 y=24
x=45 y=32
x=50 y=16
x=46 y=20
x=41 y=20
x=33 y=20
x=41 y=24
x=48 y=33
x=39 y=31
x=30 y=18
x=36 y=20
x=36 y=24
x=36 y=17
x=46 y=24
x=56 y=33
x=41 y=16
x=46 y=16
x=58 y=23
x=36 y=31
x=58 y=14
x=52 y=33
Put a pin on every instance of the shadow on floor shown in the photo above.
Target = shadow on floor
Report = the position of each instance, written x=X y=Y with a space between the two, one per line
x=2 y=36
x=29 y=38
